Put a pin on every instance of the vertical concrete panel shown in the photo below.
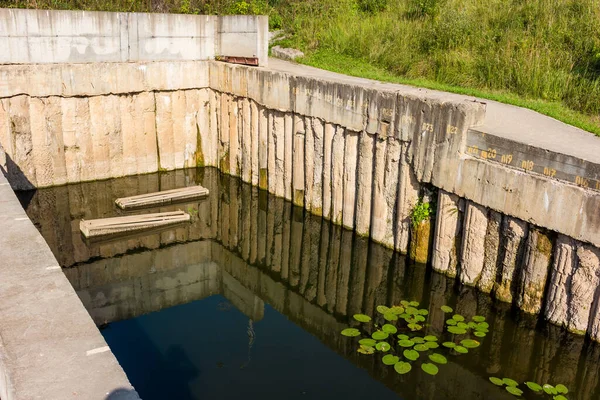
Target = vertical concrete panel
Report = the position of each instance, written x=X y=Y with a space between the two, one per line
x=327 y=156
x=223 y=148
x=473 y=250
x=263 y=149
x=47 y=139
x=112 y=119
x=145 y=116
x=6 y=142
x=350 y=186
x=254 y=156
x=492 y=248
x=317 y=189
x=390 y=190
x=289 y=156
x=206 y=139
x=234 y=137
x=298 y=166
x=532 y=280
x=408 y=196
x=214 y=121
x=164 y=131
x=22 y=171
x=584 y=292
x=309 y=159
x=279 y=153
x=379 y=207
x=128 y=133
x=337 y=176
x=100 y=140
x=75 y=126
x=514 y=235
x=366 y=151
x=192 y=148
x=447 y=230
x=246 y=140
x=179 y=115
x=271 y=170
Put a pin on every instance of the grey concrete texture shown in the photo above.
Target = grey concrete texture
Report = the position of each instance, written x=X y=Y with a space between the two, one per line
x=286 y=53
x=50 y=348
x=51 y=36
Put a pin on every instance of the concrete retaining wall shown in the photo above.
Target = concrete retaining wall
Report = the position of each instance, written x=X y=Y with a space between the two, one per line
x=45 y=36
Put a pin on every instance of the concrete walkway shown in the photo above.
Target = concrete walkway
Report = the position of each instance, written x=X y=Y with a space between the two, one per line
x=507 y=121
x=50 y=349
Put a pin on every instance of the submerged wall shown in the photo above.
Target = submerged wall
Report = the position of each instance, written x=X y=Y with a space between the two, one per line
x=359 y=154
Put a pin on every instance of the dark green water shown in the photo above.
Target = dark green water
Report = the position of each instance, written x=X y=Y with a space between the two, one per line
x=248 y=301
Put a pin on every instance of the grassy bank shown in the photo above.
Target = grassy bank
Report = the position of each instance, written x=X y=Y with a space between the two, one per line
x=539 y=54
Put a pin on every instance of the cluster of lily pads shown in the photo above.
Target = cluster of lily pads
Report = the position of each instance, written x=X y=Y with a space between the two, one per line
x=556 y=392
x=404 y=345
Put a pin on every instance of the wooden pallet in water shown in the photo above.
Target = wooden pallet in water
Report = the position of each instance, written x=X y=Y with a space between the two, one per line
x=118 y=225
x=162 y=198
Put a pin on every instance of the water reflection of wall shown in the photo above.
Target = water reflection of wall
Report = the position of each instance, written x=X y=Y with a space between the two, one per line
x=315 y=273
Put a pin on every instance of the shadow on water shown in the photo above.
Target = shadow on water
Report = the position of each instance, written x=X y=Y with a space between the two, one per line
x=261 y=253
x=122 y=394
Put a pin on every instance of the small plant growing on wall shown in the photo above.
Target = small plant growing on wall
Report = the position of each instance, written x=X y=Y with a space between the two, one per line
x=421 y=212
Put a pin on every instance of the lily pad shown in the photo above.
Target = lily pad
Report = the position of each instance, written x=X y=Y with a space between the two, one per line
x=402 y=367
x=411 y=311
x=430 y=368
x=403 y=337
x=497 y=381
x=415 y=327
x=421 y=347
x=418 y=339
x=458 y=318
x=559 y=397
x=351 y=332
x=456 y=330
x=514 y=391
x=478 y=318
x=461 y=350
x=397 y=310
x=451 y=322
x=368 y=342
x=390 y=316
x=383 y=309
x=462 y=325
x=432 y=345
x=411 y=355
x=562 y=389
x=423 y=311
x=447 y=309
x=419 y=318
x=405 y=303
x=390 y=359
x=391 y=329
x=379 y=335
x=431 y=338
x=406 y=343
x=472 y=325
x=414 y=304
x=534 y=386
x=483 y=325
x=438 y=358
x=479 y=334
x=383 y=346
x=470 y=343
x=510 y=382
x=449 y=345
x=366 y=349
x=362 y=317
x=550 y=389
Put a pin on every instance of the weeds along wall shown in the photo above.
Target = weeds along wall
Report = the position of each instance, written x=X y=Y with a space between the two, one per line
x=359 y=155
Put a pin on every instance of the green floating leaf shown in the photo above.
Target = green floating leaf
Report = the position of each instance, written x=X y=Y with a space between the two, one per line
x=362 y=317
x=534 y=386
x=438 y=358
x=559 y=397
x=406 y=343
x=423 y=311
x=351 y=332
x=470 y=343
x=456 y=330
x=462 y=325
x=478 y=318
x=562 y=389
x=483 y=325
x=431 y=338
x=397 y=310
x=402 y=367
x=405 y=303
x=383 y=346
x=458 y=318
x=451 y=322
x=390 y=359
x=472 y=325
x=411 y=355
x=432 y=345
x=379 y=335
x=403 y=337
x=447 y=309
x=418 y=339
x=421 y=347
x=449 y=345
x=497 y=381
x=479 y=334
x=430 y=368
x=419 y=318
x=414 y=304
x=391 y=329
x=461 y=350
x=510 y=382
x=367 y=342
x=414 y=327
x=514 y=391
x=383 y=309
x=550 y=389
x=411 y=311
x=366 y=349
x=390 y=316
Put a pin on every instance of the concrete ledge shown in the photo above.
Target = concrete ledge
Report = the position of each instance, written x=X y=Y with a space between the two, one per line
x=50 y=347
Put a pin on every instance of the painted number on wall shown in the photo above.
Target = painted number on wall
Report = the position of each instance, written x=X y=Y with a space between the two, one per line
x=427 y=127
x=506 y=158
x=489 y=154
x=581 y=181
x=551 y=172
x=527 y=165
x=451 y=129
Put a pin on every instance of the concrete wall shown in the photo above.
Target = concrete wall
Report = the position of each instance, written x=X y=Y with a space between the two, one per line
x=44 y=36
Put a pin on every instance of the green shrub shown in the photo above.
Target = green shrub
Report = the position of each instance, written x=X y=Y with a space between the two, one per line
x=372 y=6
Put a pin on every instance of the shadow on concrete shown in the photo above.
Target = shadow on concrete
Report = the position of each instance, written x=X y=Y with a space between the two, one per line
x=13 y=173
x=123 y=394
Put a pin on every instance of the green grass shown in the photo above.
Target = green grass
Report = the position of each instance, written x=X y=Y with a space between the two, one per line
x=355 y=67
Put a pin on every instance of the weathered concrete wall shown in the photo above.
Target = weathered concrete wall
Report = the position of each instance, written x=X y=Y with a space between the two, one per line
x=50 y=36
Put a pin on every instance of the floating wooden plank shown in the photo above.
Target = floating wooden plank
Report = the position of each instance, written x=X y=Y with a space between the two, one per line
x=117 y=225
x=162 y=198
